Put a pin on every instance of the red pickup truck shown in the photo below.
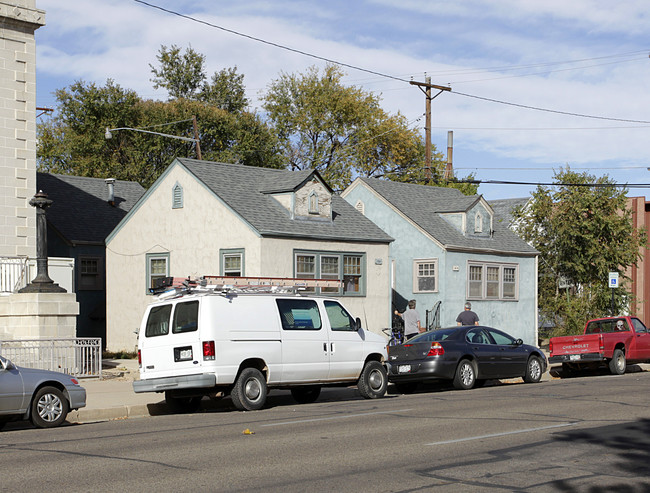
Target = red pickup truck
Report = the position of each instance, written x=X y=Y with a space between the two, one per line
x=611 y=340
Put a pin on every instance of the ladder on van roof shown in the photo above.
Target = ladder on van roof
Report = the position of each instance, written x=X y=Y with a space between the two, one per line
x=184 y=285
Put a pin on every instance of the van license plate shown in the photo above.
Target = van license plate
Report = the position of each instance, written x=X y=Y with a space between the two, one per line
x=574 y=357
x=404 y=368
x=186 y=354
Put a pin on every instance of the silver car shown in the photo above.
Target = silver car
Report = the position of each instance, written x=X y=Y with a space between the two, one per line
x=44 y=397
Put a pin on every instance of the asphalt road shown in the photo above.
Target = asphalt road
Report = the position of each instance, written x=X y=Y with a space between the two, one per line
x=588 y=434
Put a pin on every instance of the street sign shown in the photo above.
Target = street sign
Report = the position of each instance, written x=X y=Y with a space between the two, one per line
x=613 y=279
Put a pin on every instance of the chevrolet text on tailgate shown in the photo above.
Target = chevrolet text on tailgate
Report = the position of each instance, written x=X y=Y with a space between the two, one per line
x=241 y=336
x=611 y=340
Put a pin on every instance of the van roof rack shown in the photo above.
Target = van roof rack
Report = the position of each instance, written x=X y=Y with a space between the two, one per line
x=177 y=286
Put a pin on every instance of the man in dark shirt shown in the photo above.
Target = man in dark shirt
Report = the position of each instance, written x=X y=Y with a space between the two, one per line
x=467 y=316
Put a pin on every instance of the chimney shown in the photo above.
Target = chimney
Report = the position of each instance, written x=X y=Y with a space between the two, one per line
x=449 y=170
x=110 y=182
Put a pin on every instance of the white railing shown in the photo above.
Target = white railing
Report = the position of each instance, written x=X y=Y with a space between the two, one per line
x=13 y=273
x=16 y=272
x=79 y=357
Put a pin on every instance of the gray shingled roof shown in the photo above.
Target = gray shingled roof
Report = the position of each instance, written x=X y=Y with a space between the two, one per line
x=245 y=189
x=504 y=207
x=423 y=204
x=80 y=211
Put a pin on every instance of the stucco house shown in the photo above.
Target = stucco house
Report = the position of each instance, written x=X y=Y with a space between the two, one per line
x=83 y=213
x=207 y=218
x=450 y=248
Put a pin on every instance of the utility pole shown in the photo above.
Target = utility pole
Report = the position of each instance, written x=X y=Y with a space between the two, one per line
x=427 y=126
x=196 y=138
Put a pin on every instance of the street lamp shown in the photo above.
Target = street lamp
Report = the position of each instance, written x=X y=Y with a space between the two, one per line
x=109 y=135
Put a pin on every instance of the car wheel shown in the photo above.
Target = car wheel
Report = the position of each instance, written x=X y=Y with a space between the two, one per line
x=305 y=395
x=49 y=408
x=465 y=375
x=249 y=391
x=179 y=405
x=406 y=388
x=373 y=380
x=533 y=370
x=617 y=364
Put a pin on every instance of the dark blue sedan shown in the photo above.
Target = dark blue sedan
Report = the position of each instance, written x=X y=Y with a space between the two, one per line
x=467 y=355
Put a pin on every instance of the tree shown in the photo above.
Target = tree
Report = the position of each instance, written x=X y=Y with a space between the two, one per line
x=583 y=230
x=182 y=75
x=342 y=131
x=73 y=142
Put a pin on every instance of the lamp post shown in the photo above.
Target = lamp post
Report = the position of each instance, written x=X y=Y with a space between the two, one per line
x=109 y=135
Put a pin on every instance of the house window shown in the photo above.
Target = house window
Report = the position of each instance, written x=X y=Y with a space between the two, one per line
x=157 y=267
x=232 y=262
x=91 y=274
x=177 y=196
x=424 y=276
x=313 y=203
x=492 y=281
x=350 y=267
x=478 y=223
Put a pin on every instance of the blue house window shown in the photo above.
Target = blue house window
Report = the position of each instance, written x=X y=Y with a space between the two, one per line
x=490 y=281
x=177 y=196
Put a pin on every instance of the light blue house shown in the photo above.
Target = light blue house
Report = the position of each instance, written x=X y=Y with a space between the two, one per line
x=451 y=248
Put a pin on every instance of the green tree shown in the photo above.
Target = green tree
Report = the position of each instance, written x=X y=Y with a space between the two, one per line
x=226 y=91
x=181 y=74
x=73 y=142
x=342 y=131
x=583 y=230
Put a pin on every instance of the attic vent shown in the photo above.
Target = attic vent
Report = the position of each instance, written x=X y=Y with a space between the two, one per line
x=360 y=207
x=478 y=223
x=313 y=203
x=177 y=197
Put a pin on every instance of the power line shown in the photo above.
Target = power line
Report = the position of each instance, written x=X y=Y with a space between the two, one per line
x=594 y=185
x=373 y=72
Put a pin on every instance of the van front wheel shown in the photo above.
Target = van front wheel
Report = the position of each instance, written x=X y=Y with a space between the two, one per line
x=249 y=391
x=373 y=380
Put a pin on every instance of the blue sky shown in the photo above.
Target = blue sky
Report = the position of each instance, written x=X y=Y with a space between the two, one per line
x=577 y=57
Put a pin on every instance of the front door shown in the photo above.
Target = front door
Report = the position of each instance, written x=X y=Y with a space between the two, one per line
x=511 y=360
x=11 y=389
x=305 y=344
x=346 y=346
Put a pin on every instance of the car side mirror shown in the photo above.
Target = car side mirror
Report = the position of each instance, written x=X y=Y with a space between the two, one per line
x=518 y=342
x=357 y=324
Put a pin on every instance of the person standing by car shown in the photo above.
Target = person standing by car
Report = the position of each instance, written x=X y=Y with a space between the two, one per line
x=411 y=319
x=467 y=316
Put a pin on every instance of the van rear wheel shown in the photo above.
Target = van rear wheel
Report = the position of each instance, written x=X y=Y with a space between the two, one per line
x=249 y=391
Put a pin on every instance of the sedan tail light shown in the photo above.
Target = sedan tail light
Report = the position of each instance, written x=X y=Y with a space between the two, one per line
x=436 y=349
x=208 y=350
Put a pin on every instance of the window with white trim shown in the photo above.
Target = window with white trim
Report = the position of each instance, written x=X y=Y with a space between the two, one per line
x=492 y=281
x=157 y=267
x=350 y=267
x=232 y=262
x=424 y=276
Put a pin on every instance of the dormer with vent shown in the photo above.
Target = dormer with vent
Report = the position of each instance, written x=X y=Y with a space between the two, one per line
x=310 y=199
x=471 y=216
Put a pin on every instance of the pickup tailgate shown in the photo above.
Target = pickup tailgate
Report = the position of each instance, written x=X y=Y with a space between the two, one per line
x=587 y=347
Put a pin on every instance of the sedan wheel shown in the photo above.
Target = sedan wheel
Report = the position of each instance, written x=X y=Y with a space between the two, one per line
x=49 y=408
x=465 y=375
x=533 y=370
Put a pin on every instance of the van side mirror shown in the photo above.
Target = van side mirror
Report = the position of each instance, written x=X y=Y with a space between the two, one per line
x=357 y=324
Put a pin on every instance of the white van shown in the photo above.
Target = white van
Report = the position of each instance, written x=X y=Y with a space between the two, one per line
x=207 y=340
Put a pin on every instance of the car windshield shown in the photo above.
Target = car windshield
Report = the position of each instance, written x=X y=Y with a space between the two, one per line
x=433 y=335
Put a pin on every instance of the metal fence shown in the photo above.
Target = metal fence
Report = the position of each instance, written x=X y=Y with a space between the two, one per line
x=79 y=357
x=13 y=273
